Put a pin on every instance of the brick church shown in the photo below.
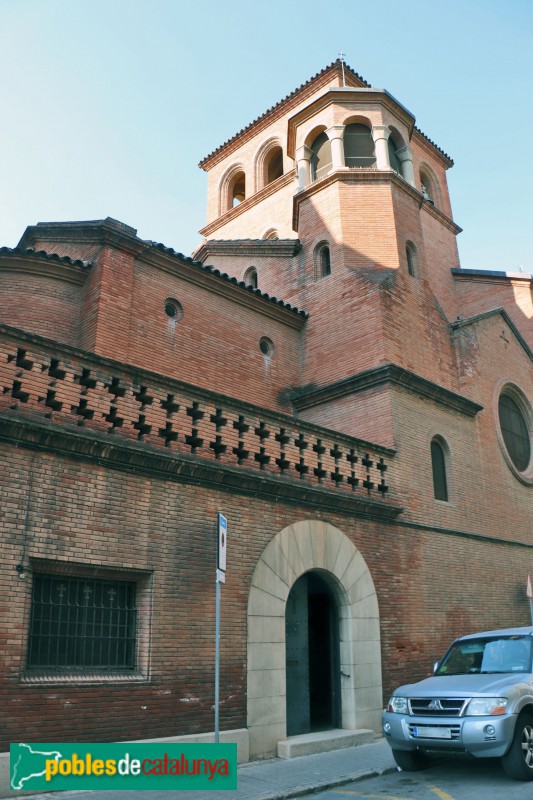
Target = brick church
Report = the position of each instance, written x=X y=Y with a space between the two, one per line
x=323 y=373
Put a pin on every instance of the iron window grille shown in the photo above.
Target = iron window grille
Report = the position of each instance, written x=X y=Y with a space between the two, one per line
x=80 y=623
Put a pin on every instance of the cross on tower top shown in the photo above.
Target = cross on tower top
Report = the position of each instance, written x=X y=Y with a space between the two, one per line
x=341 y=59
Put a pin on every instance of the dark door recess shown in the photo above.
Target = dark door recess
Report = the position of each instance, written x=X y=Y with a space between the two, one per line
x=312 y=657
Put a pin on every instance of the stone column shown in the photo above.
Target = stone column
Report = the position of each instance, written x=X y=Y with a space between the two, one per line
x=405 y=157
x=335 y=134
x=380 y=135
x=303 y=160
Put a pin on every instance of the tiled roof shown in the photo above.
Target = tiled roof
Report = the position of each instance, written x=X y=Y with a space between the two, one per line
x=432 y=143
x=29 y=251
x=335 y=64
x=76 y=262
x=229 y=278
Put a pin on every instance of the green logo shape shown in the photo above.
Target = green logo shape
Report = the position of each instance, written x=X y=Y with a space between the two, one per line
x=122 y=765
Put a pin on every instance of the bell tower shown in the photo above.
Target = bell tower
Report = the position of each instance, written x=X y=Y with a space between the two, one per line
x=340 y=204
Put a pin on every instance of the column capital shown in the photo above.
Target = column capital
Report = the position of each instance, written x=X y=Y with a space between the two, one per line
x=335 y=132
x=304 y=153
x=380 y=132
x=405 y=153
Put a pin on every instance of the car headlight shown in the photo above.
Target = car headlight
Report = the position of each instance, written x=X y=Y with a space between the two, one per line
x=398 y=705
x=487 y=706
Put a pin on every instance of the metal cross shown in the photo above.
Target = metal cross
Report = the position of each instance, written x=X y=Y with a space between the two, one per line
x=502 y=336
x=341 y=58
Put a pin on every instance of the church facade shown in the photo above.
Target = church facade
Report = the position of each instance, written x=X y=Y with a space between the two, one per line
x=323 y=373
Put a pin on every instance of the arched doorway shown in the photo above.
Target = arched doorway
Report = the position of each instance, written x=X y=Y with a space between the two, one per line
x=312 y=656
x=311 y=546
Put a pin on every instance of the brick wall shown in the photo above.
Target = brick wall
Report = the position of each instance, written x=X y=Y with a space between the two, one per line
x=478 y=294
x=81 y=513
x=120 y=313
x=38 y=296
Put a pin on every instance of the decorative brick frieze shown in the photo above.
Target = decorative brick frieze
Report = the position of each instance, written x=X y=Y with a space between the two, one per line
x=78 y=391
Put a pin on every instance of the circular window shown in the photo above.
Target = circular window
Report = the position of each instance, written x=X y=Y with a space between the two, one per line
x=266 y=346
x=515 y=419
x=173 y=309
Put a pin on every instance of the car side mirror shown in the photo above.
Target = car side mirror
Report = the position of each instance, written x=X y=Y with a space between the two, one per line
x=435 y=666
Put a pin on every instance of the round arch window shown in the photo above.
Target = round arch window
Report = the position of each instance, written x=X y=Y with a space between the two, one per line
x=250 y=277
x=393 y=158
x=410 y=254
x=321 y=156
x=274 y=165
x=359 y=149
x=514 y=414
x=427 y=187
x=322 y=257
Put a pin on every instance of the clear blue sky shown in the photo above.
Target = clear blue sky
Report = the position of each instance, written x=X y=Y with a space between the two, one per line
x=108 y=105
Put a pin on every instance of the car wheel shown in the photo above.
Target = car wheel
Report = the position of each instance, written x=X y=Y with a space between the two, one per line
x=518 y=761
x=411 y=760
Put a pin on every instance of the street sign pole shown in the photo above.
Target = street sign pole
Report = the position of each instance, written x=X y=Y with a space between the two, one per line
x=217 y=659
x=220 y=578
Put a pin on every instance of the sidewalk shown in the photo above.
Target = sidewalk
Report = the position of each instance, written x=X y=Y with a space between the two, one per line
x=275 y=779
x=278 y=779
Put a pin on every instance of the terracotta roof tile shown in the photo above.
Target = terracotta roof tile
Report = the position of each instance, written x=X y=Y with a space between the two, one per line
x=334 y=65
x=30 y=251
x=229 y=278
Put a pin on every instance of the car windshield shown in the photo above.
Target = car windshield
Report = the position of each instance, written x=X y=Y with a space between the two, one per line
x=488 y=655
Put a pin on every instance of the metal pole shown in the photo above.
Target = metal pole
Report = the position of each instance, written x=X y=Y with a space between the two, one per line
x=531 y=609
x=217 y=657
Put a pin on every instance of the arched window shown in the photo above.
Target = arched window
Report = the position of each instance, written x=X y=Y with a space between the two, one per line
x=322 y=261
x=395 y=162
x=273 y=165
x=426 y=187
x=358 y=146
x=410 y=253
x=325 y=262
x=250 y=277
x=237 y=189
x=321 y=157
x=438 y=466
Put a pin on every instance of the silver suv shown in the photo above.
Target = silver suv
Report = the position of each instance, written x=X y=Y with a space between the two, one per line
x=479 y=701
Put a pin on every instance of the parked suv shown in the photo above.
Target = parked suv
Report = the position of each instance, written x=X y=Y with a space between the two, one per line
x=479 y=701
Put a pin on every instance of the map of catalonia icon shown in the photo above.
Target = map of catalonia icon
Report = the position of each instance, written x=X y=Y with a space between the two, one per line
x=28 y=764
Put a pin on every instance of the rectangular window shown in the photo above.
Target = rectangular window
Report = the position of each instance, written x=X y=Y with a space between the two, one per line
x=82 y=623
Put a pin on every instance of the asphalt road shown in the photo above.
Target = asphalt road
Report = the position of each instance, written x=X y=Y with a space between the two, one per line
x=460 y=778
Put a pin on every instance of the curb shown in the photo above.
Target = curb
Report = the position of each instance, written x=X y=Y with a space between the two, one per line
x=300 y=791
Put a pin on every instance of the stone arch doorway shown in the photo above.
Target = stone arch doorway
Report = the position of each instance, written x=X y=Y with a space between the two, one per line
x=315 y=547
x=312 y=656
